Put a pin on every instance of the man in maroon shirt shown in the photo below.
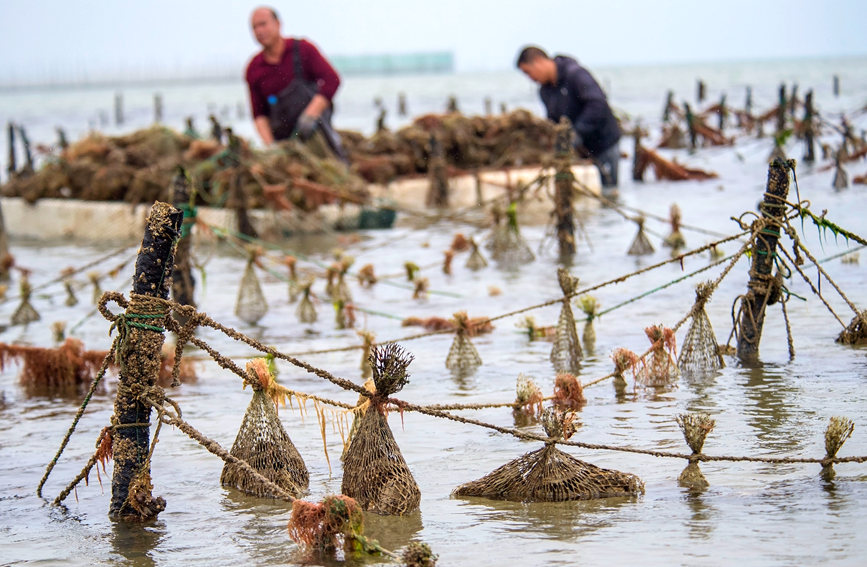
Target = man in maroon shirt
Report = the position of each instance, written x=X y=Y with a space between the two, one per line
x=270 y=75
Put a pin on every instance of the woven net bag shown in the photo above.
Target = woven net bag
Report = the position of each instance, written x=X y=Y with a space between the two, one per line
x=566 y=354
x=550 y=475
x=250 y=305
x=375 y=473
x=264 y=445
x=700 y=352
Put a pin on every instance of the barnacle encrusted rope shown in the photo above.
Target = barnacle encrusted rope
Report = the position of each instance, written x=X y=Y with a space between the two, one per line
x=99 y=375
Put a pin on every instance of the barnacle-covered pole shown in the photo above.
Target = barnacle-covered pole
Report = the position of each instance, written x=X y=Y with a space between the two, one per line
x=563 y=182
x=760 y=288
x=140 y=340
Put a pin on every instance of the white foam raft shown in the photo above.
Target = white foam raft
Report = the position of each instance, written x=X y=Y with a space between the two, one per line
x=96 y=221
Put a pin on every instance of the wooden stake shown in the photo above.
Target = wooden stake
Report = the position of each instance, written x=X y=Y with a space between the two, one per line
x=438 y=191
x=563 y=185
x=183 y=283
x=118 y=109
x=809 y=153
x=761 y=284
x=138 y=356
x=158 y=108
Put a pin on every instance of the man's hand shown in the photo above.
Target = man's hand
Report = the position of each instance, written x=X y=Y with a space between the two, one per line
x=306 y=126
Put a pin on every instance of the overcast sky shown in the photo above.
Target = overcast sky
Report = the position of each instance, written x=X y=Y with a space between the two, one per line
x=60 y=40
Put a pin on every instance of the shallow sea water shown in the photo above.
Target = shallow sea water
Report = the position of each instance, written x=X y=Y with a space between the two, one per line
x=757 y=514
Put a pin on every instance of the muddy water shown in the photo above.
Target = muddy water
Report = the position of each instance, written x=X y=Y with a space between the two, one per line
x=757 y=514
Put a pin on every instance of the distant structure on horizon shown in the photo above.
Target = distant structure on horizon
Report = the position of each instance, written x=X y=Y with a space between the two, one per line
x=395 y=64
x=348 y=65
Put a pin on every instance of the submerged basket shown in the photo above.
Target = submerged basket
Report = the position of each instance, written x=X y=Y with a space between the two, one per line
x=550 y=475
x=375 y=473
x=264 y=444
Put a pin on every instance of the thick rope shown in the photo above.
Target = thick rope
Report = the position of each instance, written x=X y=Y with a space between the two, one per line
x=99 y=375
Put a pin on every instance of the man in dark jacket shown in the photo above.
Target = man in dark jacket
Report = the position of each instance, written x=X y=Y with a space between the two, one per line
x=568 y=89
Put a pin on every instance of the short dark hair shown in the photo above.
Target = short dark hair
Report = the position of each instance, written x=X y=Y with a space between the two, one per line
x=529 y=54
x=274 y=13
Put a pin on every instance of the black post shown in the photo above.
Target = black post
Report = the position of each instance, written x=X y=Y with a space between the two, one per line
x=748 y=104
x=563 y=187
x=669 y=104
x=118 y=109
x=700 y=91
x=809 y=153
x=28 y=155
x=836 y=85
x=61 y=139
x=781 y=109
x=690 y=122
x=138 y=356
x=761 y=285
x=183 y=283
x=401 y=104
x=438 y=191
x=5 y=256
x=158 y=107
x=11 y=167
x=723 y=112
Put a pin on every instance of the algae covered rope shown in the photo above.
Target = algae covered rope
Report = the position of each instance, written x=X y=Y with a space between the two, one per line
x=138 y=355
x=99 y=375
x=406 y=406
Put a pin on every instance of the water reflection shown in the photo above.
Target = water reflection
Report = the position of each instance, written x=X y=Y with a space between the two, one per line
x=464 y=378
x=564 y=521
x=703 y=517
x=393 y=532
x=136 y=543
x=769 y=395
x=703 y=387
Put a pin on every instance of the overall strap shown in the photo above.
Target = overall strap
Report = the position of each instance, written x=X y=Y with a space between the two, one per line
x=296 y=59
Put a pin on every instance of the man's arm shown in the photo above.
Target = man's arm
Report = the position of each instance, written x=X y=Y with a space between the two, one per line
x=594 y=108
x=263 y=126
x=318 y=69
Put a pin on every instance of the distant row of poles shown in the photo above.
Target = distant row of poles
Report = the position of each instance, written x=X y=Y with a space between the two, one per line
x=402 y=109
x=701 y=91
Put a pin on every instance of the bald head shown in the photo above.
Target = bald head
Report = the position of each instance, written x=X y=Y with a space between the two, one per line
x=266 y=26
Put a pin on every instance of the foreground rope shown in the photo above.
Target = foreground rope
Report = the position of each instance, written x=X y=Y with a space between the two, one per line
x=99 y=375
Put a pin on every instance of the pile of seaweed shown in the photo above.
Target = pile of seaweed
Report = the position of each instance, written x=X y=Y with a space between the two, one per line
x=467 y=143
x=139 y=167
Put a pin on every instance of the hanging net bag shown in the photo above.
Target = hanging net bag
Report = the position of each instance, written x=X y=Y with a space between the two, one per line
x=695 y=427
x=513 y=252
x=25 y=313
x=463 y=356
x=641 y=245
x=550 y=475
x=566 y=353
x=306 y=311
x=476 y=261
x=264 y=444
x=700 y=352
x=251 y=304
x=661 y=369
x=374 y=471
